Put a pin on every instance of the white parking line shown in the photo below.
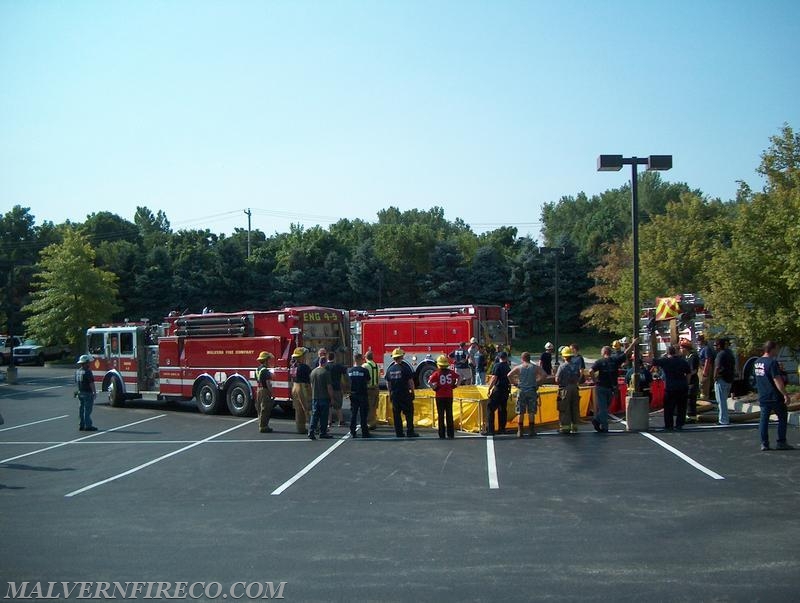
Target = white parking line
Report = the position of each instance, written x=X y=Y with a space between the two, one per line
x=156 y=460
x=93 y=435
x=682 y=456
x=285 y=485
x=136 y=442
x=34 y=423
x=21 y=393
x=491 y=463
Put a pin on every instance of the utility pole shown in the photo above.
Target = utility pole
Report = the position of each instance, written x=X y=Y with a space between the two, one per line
x=249 y=213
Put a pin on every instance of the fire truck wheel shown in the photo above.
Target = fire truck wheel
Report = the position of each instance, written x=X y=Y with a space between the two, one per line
x=207 y=397
x=424 y=373
x=240 y=402
x=115 y=395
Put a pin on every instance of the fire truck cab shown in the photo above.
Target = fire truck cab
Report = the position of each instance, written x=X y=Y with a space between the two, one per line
x=212 y=357
x=426 y=332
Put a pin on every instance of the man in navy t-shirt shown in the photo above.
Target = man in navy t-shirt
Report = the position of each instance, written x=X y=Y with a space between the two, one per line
x=772 y=396
x=359 y=378
x=400 y=381
x=499 y=389
x=676 y=385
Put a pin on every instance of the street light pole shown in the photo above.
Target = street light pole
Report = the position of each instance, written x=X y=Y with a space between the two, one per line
x=614 y=163
x=635 y=236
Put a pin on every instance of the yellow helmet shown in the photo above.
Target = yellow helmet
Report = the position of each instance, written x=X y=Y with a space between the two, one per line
x=566 y=351
x=616 y=344
x=398 y=353
x=299 y=352
x=264 y=356
x=442 y=361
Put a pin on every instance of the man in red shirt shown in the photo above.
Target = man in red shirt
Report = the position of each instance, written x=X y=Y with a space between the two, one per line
x=443 y=381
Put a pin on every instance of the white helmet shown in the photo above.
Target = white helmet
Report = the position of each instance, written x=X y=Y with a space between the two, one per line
x=549 y=347
x=84 y=358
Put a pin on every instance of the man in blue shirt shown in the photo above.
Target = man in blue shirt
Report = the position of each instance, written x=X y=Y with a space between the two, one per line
x=772 y=396
x=606 y=375
x=400 y=381
x=724 y=373
x=676 y=385
x=359 y=379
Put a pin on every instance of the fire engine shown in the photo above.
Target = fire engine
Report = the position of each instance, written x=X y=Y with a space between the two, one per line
x=211 y=357
x=685 y=317
x=426 y=332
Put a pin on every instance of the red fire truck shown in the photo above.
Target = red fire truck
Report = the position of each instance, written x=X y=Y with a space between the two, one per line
x=426 y=332
x=684 y=317
x=211 y=357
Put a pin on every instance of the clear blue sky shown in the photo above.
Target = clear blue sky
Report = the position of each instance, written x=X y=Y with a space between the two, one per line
x=310 y=111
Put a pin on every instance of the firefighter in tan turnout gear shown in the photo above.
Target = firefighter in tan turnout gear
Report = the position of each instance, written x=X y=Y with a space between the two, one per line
x=264 y=396
x=567 y=378
x=300 y=374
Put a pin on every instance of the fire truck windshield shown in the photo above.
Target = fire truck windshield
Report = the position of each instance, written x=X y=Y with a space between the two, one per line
x=324 y=334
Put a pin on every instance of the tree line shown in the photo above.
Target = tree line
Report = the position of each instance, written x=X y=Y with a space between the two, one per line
x=741 y=255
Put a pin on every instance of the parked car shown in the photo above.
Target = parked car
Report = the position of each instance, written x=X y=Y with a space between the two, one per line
x=6 y=342
x=31 y=352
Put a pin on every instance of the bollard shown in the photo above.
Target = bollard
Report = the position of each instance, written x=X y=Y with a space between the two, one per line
x=11 y=374
x=637 y=413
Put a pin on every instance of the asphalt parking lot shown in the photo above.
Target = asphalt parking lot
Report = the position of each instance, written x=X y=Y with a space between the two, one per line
x=163 y=493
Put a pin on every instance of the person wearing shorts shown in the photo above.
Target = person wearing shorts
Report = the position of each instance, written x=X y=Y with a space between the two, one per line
x=338 y=373
x=527 y=376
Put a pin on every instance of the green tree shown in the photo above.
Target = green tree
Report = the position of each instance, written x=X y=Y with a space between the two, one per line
x=69 y=293
x=755 y=282
x=365 y=276
x=488 y=280
x=20 y=243
x=676 y=248
x=154 y=229
x=444 y=282
x=612 y=291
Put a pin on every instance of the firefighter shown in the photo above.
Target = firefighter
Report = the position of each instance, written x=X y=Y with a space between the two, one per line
x=86 y=393
x=400 y=380
x=372 y=389
x=724 y=374
x=443 y=381
x=772 y=396
x=676 y=387
x=546 y=359
x=691 y=357
x=567 y=377
x=461 y=363
x=300 y=374
x=264 y=396
x=338 y=374
x=606 y=373
x=528 y=378
x=707 y=355
x=499 y=390
x=358 y=378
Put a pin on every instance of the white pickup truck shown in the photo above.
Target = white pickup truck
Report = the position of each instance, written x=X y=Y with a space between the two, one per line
x=31 y=352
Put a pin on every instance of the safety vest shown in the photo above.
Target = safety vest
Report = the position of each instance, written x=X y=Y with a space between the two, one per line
x=261 y=368
x=374 y=374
